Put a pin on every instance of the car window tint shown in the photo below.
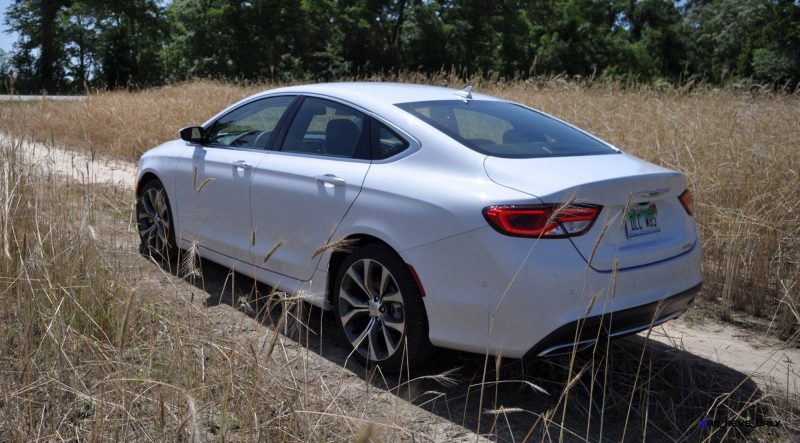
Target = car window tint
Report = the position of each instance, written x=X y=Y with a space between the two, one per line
x=323 y=127
x=250 y=125
x=479 y=127
x=503 y=129
x=385 y=142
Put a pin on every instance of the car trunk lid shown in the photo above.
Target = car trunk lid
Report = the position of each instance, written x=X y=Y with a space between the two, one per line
x=642 y=220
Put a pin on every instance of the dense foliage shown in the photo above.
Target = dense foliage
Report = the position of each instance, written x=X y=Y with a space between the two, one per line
x=66 y=45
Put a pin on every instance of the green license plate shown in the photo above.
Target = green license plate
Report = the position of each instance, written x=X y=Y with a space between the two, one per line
x=642 y=220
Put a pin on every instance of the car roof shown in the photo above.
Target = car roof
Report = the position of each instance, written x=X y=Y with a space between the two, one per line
x=377 y=94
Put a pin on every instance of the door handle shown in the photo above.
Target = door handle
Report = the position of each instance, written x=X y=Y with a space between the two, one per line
x=330 y=178
x=241 y=164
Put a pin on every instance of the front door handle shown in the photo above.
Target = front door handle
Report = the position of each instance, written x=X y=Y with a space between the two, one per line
x=330 y=178
x=241 y=164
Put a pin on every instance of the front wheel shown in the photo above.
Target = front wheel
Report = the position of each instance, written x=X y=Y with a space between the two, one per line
x=154 y=221
x=379 y=309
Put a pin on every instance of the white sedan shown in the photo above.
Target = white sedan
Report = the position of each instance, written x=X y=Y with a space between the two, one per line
x=473 y=223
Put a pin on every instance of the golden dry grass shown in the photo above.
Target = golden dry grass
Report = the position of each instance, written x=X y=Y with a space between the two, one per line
x=98 y=344
x=87 y=358
x=740 y=151
x=121 y=124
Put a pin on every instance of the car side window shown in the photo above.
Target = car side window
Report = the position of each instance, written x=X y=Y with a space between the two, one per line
x=385 y=142
x=251 y=125
x=323 y=127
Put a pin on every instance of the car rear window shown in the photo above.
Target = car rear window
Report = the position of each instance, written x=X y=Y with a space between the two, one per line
x=503 y=129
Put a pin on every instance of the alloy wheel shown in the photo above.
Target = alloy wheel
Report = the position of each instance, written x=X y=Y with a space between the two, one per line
x=371 y=310
x=154 y=222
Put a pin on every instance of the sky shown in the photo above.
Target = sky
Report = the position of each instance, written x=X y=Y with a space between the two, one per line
x=6 y=40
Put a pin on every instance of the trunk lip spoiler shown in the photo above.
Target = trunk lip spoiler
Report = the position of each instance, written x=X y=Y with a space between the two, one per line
x=651 y=194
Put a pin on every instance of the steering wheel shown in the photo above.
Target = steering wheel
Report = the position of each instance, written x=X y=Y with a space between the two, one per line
x=243 y=139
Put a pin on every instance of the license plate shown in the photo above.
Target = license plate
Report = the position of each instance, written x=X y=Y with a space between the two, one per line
x=642 y=220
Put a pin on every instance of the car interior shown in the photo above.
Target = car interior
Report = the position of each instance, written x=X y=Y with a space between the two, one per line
x=324 y=130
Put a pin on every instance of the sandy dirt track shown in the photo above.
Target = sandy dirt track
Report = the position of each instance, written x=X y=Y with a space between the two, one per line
x=760 y=357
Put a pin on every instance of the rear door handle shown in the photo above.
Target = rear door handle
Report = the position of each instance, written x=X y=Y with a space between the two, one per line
x=241 y=164
x=330 y=178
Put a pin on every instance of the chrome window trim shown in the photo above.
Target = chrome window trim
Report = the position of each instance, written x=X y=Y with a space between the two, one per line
x=234 y=148
x=323 y=157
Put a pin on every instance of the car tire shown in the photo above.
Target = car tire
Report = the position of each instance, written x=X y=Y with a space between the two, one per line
x=379 y=310
x=154 y=222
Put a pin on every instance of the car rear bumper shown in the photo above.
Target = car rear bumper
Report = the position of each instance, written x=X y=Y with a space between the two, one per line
x=490 y=293
x=582 y=333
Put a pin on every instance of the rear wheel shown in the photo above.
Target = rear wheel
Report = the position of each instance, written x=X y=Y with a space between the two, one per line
x=379 y=309
x=154 y=221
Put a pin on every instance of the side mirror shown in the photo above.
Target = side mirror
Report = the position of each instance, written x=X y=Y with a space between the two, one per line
x=192 y=134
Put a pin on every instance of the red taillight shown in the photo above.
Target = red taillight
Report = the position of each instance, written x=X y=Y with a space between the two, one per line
x=687 y=201
x=549 y=221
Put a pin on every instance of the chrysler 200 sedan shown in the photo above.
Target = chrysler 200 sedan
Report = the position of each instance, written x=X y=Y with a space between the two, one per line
x=472 y=223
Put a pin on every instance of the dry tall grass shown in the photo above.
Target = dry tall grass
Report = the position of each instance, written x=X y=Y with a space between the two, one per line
x=100 y=345
x=740 y=150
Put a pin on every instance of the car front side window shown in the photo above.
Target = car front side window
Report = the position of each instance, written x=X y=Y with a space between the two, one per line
x=251 y=125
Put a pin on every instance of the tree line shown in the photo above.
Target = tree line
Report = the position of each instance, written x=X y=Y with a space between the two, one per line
x=71 y=45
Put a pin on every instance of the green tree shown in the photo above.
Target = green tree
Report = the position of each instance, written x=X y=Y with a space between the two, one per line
x=473 y=32
x=367 y=28
x=323 y=41
x=39 y=53
x=744 y=38
x=5 y=72
x=129 y=40
x=245 y=39
x=65 y=44
x=515 y=54
x=577 y=37
x=78 y=23
x=657 y=33
x=424 y=43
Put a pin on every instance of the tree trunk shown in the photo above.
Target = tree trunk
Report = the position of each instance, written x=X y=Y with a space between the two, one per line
x=81 y=54
x=398 y=25
x=47 y=11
